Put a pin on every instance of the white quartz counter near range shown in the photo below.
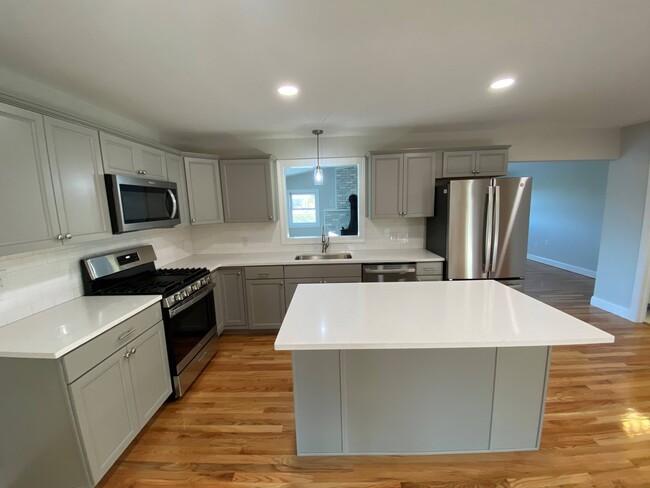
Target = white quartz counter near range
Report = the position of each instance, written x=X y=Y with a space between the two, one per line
x=426 y=315
x=214 y=261
x=55 y=332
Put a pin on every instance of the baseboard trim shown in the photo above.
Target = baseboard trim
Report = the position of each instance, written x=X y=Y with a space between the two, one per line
x=559 y=264
x=610 y=307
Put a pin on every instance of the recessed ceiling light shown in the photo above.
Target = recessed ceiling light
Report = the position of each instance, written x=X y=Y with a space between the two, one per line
x=288 y=90
x=502 y=83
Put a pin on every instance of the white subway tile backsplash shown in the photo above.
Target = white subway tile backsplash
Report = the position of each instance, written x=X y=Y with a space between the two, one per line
x=34 y=281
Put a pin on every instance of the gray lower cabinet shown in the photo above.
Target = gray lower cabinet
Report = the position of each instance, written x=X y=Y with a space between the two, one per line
x=401 y=185
x=116 y=398
x=264 y=296
x=70 y=418
x=249 y=189
x=176 y=173
x=463 y=164
x=230 y=299
x=265 y=300
x=291 y=284
x=204 y=191
x=128 y=157
x=429 y=271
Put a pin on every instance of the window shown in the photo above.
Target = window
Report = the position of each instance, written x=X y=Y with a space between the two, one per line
x=335 y=205
x=303 y=208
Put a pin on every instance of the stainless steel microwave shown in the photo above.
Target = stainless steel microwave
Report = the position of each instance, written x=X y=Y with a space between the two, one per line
x=138 y=203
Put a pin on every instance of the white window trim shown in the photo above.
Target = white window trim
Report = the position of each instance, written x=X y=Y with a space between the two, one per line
x=304 y=224
x=328 y=162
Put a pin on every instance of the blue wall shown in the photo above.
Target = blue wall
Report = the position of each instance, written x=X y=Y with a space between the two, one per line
x=566 y=216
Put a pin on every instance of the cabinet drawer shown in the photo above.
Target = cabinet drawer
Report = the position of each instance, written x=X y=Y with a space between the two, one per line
x=428 y=268
x=263 y=272
x=323 y=271
x=82 y=359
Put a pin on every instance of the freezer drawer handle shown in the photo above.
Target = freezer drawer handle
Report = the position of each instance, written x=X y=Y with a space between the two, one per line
x=497 y=218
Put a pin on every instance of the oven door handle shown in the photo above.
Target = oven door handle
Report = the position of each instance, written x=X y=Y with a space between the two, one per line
x=176 y=309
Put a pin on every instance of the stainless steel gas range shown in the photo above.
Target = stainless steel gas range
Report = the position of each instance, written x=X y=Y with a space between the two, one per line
x=187 y=303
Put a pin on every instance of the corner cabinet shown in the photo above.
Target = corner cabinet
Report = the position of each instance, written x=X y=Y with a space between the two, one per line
x=128 y=157
x=480 y=163
x=176 y=174
x=249 y=189
x=401 y=185
x=204 y=191
x=49 y=166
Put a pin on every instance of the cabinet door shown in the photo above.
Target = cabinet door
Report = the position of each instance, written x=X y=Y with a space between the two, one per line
x=248 y=190
x=78 y=178
x=204 y=191
x=230 y=301
x=265 y=303
x=290 y=285
x=419 y=183
x=152 y=162
x=119 y=155
x=149 y=369
x=105 y=412
x=176 y=173
x=492 y=163
x=28 y=220
x=458 y=164
x=386 y=184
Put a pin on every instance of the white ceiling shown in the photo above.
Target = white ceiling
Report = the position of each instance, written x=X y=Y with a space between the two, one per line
x=210 y=67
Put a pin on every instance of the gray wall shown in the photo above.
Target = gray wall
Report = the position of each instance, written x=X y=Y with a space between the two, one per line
x=622 y=223
x=566 y=212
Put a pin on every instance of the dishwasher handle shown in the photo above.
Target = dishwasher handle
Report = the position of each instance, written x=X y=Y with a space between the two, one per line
x=378 y=270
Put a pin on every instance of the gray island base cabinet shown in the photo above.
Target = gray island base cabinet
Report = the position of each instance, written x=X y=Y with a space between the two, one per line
x=66 y=421
x=420 y=401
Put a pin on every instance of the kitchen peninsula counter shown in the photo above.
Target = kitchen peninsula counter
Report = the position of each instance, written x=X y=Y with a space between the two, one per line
x=417 y=368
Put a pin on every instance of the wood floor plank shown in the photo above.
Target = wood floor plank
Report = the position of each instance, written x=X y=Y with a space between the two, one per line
x=235 y=426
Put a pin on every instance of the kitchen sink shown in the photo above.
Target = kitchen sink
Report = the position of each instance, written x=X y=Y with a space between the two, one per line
x=316 y=257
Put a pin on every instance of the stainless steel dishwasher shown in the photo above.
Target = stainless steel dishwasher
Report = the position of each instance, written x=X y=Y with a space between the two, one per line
x=389 y=272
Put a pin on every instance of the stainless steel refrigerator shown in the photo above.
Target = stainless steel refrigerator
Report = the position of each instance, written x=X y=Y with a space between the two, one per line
x=480 y=227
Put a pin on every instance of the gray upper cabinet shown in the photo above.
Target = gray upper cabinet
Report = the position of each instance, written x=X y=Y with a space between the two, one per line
x=204 y=191
x=249 y=189
x=419 y=184
x=386 y=185
x=77 y=176
x=29 y=221
x=401 y=185
x=176 y=173
x=462 y=164
x=230 y=299
x=127 y=157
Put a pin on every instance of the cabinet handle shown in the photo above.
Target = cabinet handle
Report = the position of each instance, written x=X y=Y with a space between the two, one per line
x=68 y=236
x=142 y=172
x=193 y=220
x=133 y=351
x=200 y=358
x=126 y=334
x=60 y=237
x=238 y=273
x=130 y=353
x=270 y=217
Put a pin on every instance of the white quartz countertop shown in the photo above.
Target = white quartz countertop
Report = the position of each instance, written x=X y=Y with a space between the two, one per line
x=214 y=261
x=426 y=315
x=56 y=331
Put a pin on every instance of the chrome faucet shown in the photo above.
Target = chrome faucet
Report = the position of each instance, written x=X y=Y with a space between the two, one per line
x=324 y=243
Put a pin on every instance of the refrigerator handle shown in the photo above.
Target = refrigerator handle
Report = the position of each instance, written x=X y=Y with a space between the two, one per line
x=488 y=230
x=497 y=219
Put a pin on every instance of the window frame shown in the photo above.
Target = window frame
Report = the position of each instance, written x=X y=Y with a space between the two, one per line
x=314 y=192
x=359 y=161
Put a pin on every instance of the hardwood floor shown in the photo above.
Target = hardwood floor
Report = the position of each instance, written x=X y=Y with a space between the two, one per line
x=235 y=427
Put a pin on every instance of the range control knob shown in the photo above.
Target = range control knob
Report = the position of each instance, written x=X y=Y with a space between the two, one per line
x=203 y=282
x=177 y=297
x=208 y=279
x=195 y=287
x=183 y=294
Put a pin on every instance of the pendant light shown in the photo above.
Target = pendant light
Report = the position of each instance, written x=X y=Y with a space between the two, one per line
x=318 y=172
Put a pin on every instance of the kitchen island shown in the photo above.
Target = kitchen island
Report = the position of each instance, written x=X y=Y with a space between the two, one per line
x=418 y=368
